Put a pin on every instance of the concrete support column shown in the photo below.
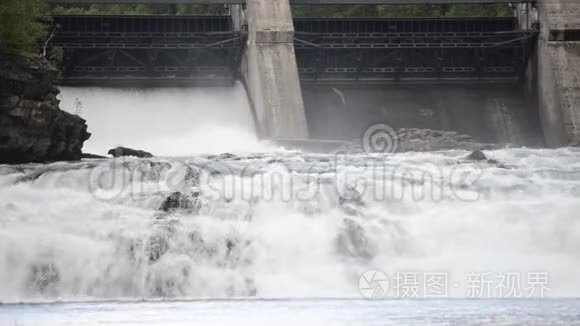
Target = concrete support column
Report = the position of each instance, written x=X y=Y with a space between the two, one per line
x=270 y=72
x=557 y=72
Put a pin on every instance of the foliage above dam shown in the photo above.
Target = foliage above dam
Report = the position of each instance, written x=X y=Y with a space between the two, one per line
x=393 y=11
x=334 y=11
x=20 y=26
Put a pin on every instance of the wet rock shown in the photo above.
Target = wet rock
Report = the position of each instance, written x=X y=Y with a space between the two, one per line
x=226 y=156
x=158 y=245
x=479 y=156
x=353 y=242
x=180 y=201
x=423 y=140
x=32 y=127
x=420 y=140
x=152 y=170
x=476 y=156
x=192 y=177
x=350 y=200
x=44 y=276
x=92 y=156
x=125 y=151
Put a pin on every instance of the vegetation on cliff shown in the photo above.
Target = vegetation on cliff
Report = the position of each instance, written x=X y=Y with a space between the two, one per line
x=32 y=127
x=21 y=26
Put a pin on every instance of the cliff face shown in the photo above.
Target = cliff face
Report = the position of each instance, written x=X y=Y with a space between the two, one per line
x=32 y=127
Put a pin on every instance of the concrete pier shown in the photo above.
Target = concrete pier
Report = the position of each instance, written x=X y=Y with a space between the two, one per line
x=270 y=72
x=557 y=69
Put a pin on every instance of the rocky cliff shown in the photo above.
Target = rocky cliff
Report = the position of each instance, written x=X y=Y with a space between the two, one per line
x=32 y=127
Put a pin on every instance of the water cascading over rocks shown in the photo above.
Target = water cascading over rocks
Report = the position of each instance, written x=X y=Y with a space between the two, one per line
x=281 y=224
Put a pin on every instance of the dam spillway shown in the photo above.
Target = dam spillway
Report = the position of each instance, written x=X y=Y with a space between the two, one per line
x=167 y=121
x=279 y=57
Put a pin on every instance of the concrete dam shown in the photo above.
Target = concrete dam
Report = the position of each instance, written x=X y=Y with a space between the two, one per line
x=509 y=80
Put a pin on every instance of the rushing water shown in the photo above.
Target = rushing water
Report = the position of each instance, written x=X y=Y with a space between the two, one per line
x=272 y=223
x=287 y=224
x=169 y=121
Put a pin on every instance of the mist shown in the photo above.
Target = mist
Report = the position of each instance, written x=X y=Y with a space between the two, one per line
x=165 y=122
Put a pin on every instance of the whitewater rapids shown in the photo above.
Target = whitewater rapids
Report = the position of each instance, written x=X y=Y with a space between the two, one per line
x=270 y=223
x=284 y=224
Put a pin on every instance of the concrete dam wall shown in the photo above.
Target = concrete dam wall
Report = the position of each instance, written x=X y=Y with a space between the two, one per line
x=497 y=79
x=489 y=113
x=504 y=113
x=555 y=72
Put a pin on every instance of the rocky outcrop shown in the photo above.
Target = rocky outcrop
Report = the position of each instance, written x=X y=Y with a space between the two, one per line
x=479 y=156
x=124 y=151
x=32 y=127
x=420 y=140
x=423 y=140
x=180 y=201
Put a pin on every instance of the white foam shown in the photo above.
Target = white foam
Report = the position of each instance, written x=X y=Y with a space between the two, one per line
x=166 y=122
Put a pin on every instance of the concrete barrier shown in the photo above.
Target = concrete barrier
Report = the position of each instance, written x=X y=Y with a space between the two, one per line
x=557 y=71
x=269 y=70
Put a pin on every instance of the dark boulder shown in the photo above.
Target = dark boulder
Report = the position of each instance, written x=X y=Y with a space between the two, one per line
x=180 y=201
x=124 y=151
x=477 y=156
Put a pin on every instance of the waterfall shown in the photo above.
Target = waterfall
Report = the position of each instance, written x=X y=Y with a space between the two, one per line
x=279 y=224
x=166 y=122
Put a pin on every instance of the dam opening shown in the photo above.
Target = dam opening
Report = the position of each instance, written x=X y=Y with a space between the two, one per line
x=165 y=121
x=331 y=78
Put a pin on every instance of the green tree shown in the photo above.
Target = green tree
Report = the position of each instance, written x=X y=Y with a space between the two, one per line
x=421 y=10
x=20 y=24
x=334 y=11
x=141 y=9
x=479 y=10
x=401 y=11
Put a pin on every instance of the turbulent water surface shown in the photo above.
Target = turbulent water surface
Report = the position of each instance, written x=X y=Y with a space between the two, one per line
x=269 y=223
x=286 y=224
